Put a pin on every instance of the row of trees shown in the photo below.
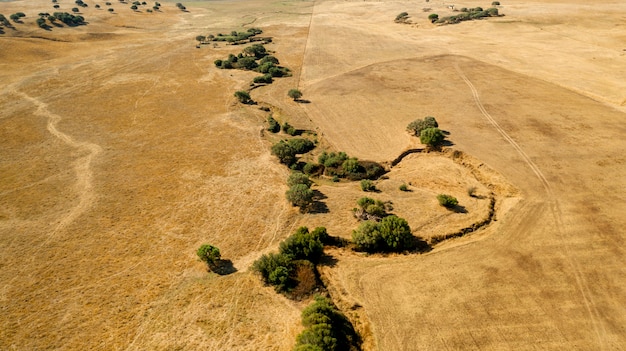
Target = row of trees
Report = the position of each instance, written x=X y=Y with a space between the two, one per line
x=234 y=37
x=467 y=14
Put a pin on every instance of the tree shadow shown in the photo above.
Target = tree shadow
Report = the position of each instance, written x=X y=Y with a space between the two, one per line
x=459 y=209
x=318 y=206
x=224 y=267
x=328 y=261
x=420 y=245
x=447 y=143
x=302 y=101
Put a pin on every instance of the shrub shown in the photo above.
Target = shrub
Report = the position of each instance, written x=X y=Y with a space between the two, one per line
x=396 y=234
x=326 y=329
x=272 y=124
x=247 y=63
x=416 y=127
x=432 y=137
x=447 y=201
x=321 y=234
x=301 y=145
x=295 y=94
x=495 y=3
x=404 y=187
x=218 y=63
x=351 y=165
x=285 y=153
x=269 y=59
x=332 y=159
x=401 y=17
x=289 y=129
x=278 y=71
x=209 y=254
x=275 y=269
x=243 y=97
x=266 y=79
x=302 y=245
x=300 y=195
x=41 y=22
x=367 y=237
x=433 y=17
x=367 y=185
x=256 y=50
x=310 y=168
x=370 y=209
x=298 y=178
x=493 y=12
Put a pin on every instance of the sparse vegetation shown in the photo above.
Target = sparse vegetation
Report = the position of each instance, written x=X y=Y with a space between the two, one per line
x=447 y=201
x=370 y=209
x=402 y=17
x=467 y=14
x=367 y=185
x=404 y=187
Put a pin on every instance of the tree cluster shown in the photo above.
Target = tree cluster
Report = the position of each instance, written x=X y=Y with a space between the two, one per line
x=467 y=14
x=68 y=19
x=327 y=329
x=301 y=250
x=287 y=150
x=255 y=58
x=391 y=234
x=341 y=165
x=234 y=37
x=427 y=130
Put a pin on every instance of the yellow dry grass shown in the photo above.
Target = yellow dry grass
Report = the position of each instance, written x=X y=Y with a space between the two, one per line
x=123 y=150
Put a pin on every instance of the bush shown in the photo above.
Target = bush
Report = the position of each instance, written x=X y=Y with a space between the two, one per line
x=321 y=234
x=416 y=127
x=269 y=59
x=301 y=145
x=401 y=17
x=433 y=17
x=266 y=79
x=300 y=195
x=326 y=328
x=272 y=124
x=370 y=209
x=295 y=94
x=447 y=201
x=285 y=153
x=298 y=178
x=310 y=168
x=209 y=254
x=275 y=269
x=432 y=137
x=302 y=245
x=404 y=187
x=218 y=63
x=351 y=165
x=243 y=97
x=495 y=3
x=332 y=159
x=392 y=234
x=367 y=185
x=247 y=63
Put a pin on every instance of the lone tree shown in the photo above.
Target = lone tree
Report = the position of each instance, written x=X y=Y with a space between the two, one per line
x=300 y=195
x=210 y=255
x=433 y=137
x=243 y=97
x=295 y=94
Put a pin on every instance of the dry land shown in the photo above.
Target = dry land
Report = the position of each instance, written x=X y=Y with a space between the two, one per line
x=122 y=150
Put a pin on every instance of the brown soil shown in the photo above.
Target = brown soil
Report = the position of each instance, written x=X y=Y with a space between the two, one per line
x=123 y=150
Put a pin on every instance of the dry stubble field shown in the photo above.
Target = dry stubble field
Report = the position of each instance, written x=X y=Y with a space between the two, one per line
x=123 y=150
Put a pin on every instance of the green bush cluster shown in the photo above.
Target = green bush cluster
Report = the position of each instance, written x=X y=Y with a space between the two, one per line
x=301 y=248
x=286 y=150
x=69 y=19
x=416 y=127
x=327 y=329
x=391 y=234
x=367 y=185
x=341 y=165
x=432 y=137
x=401 y=17
x=468 y=15
x=447 y=201
x=370 y=209
x=181 y=6
x=209 y=254
x=252 y=58
x=272 y=124
x=235 y=36
x=289 y=129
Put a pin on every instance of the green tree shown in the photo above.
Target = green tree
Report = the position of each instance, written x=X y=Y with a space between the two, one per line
x=298 y=178
x=302 y=245
x=416 y=127
x=433 y=17
x=300 y=195
x=447 y=201
x=275 y=270
x=396 y=233
x=272 y=124
x=367 y=237
x=432 y=137
x=301 y=145
x=285 y=153
x=209 y=254
x=247 y=63
x=295 y=94
x=243 y=97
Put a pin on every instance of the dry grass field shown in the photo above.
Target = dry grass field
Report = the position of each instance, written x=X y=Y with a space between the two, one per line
x=122 y=150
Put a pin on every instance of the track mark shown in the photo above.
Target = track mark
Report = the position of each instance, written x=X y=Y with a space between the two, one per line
x=555 y=209
x=82 y=165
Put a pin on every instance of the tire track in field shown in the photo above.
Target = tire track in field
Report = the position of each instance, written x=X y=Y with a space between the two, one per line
x=82 y=165
x=555 y=208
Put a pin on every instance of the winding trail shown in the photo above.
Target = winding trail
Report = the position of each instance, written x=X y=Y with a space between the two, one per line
x=82 y=165
x=581 y=283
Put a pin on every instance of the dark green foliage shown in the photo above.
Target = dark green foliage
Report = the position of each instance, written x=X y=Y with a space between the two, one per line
x=272 y=124
x=433 y=17
x=41 y=23
x=200 y=38
x=110 y=10
x=300 y=195
x=311 y=168
x=370 y=208
x=298 y=178
x=302 y=245
x=470 y=14
x=416 y=127
x=180 y=6
x=289 y=129
x=69 y=19
x=247 y=63
x=396 y=234
x=327 y=329
x=321 y=234
x=256 y=50
x=447 y=201
x=75 y=9
x=495 y=3
x=14 y=17
x=209 y=254
x=392 y=234
x=301 y=145
x=493 y=12
x=332 y=159
x=351 y=165
x=134 y=7
x=279 y=71
x=275 y=269
x=404 y=187
x=285 y=153
x=20 y=14
x=367 y=185
x=432 y=137
x=218 y=63
x=401 y=17
x=266 y=79
x=243 y=97
x=295 y=94
x=269 y=59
